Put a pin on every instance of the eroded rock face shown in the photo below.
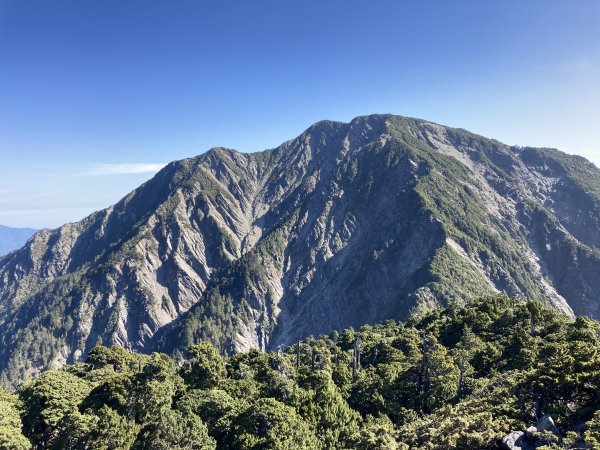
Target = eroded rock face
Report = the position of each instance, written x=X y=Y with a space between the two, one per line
x=344 y=225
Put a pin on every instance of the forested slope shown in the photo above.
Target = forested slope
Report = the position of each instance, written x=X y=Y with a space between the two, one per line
x=460 y=377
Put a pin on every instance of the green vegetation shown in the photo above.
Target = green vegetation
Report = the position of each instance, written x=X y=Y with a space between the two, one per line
x=583 y=173
x=460 y=377
x=455 y=276
x=11 y=436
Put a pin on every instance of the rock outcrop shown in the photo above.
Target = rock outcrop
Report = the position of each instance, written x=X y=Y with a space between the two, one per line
x=544 y=433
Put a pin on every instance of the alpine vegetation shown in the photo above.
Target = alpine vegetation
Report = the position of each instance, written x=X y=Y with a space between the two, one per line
x=498 y=372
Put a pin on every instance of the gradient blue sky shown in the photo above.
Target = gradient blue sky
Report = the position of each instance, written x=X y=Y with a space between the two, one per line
x=96 y=94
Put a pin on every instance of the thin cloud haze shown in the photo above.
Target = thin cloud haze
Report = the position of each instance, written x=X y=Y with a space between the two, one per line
x=122 y=169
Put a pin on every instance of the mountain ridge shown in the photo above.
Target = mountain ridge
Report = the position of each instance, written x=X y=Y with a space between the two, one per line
x=343 y=225
x=13 y=238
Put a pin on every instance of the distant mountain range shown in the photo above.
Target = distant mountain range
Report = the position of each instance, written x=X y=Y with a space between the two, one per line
x=349 y=223
x=13 y=238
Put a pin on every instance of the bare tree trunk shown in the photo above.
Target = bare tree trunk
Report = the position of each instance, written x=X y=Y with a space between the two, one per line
x=424 y=381
x=375 y=354
x=356 y=359
x=539 y=403
x=461 y=377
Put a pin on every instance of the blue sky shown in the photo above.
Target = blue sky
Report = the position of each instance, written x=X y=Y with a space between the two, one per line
x=95 y=95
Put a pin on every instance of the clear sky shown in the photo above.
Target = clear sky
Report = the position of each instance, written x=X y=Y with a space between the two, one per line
x=95 y=95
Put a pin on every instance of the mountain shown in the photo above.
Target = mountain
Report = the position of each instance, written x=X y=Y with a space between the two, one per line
x=13 y=238
x=349 y=223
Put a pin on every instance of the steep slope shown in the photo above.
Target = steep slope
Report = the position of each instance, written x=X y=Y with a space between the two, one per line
x=344 y=225
x=13 y=238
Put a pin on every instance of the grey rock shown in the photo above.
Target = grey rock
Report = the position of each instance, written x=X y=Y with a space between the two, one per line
x=545 y=423
x=530 y=432
x=517 y=440
x=534 y=436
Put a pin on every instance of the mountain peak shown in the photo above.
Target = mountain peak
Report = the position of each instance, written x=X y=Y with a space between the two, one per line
x=346 y=224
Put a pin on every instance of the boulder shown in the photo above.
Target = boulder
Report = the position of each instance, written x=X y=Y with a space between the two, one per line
x=545 y=423
x=543 y=433
x=530 y=432
x=517 y=441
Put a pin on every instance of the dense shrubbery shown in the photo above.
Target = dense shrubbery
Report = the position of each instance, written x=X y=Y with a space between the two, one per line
x=460 y=377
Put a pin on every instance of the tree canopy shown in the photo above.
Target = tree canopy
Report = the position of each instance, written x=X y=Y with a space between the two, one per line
x=459 y=377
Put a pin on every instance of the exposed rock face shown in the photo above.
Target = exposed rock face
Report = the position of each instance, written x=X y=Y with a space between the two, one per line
x=344 y=225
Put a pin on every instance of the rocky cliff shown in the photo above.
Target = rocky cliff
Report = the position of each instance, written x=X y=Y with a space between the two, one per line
x=346 y=224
